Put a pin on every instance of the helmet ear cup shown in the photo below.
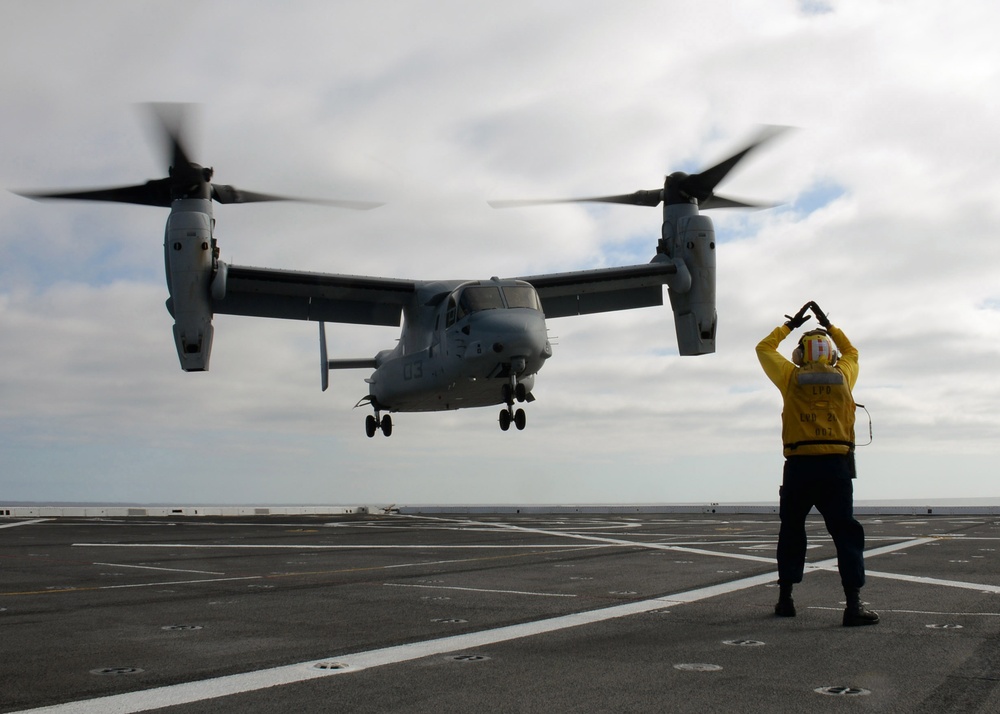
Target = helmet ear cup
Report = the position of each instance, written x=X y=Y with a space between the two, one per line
x=797 y=355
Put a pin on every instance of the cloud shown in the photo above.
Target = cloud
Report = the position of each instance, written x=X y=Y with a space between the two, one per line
x=888 y=220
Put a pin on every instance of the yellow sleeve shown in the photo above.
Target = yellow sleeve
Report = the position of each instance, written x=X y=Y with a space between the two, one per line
x=777 y=367
x=848 y=362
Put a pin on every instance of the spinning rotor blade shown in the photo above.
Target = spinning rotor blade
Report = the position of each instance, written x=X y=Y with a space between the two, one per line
x=151 y=193
x=185 y=178
x=224 y=193
x=723 y=202
x=171 y=120
x=639 y=198
x=677 y=187
x=702 y=185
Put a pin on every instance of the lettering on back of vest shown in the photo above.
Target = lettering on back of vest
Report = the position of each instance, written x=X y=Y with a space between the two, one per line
x=804 y=377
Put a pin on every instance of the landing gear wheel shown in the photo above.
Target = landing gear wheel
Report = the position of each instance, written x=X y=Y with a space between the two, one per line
x=387 y=425
x=510 y=392
x=371 y=425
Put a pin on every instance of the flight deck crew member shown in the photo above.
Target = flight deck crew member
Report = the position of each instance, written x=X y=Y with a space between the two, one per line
x=817 y=430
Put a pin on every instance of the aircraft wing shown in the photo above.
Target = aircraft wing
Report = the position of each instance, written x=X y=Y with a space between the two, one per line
x=587 y=291
x=320 y=297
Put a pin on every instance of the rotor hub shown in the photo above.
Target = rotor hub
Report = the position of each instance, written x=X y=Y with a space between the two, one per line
x=674 y=189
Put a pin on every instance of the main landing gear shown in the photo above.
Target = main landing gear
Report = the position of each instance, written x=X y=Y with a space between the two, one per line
x=512 y=391
x=373 y=424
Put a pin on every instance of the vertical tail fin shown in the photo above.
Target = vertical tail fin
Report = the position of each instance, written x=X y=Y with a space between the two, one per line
x=324 y=363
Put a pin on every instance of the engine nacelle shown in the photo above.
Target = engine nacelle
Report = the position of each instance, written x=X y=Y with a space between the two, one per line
x=693 y=242
x=188 y=255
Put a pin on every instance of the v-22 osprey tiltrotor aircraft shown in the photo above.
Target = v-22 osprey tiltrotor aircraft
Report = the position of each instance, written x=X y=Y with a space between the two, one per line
x=464 y=343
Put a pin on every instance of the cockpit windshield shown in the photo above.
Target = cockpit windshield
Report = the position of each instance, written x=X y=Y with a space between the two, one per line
x=521 y=296
x=476 y=298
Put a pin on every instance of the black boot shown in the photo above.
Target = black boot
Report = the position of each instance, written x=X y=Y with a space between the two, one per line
x=856 y=614
x=785 y=606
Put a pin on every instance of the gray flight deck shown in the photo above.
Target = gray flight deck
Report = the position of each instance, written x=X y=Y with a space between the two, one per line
x=513 y=612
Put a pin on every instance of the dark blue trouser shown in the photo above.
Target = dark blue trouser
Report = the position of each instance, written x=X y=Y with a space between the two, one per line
x=824 y=482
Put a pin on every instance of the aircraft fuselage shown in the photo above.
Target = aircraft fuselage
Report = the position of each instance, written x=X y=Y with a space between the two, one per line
x=461 y=343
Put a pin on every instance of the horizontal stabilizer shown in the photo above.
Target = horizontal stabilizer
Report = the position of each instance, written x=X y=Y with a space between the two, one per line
x=361 y=363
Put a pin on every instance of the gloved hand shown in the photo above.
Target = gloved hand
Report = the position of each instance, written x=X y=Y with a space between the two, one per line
x=795 y=321
x=821 y=317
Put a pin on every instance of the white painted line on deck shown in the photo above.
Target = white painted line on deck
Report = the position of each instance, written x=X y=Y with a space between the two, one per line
x=181 y=582
x=307 y=546
x=918 y=612
x=716 y=553
x=152 y=567
x=475 y=590
x=982 y=587
x=25 y=523
x=608 y=541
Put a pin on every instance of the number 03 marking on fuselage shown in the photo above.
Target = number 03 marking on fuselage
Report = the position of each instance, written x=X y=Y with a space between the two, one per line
x=413 y=370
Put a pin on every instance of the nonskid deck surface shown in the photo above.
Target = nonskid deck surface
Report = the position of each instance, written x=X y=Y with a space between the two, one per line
x=527 y=613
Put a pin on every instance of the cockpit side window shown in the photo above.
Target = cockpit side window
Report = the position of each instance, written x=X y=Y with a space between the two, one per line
x=521 y=296
x=452 y=312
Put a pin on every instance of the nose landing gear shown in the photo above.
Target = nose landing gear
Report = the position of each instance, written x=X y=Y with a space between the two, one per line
x=514 y=390
x=508 y=415
x=373 y=424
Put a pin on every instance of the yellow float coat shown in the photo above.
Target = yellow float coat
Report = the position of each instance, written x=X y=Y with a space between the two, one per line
x=818 y=413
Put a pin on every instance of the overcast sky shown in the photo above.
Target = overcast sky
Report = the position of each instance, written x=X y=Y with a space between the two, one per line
x=889 y=220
